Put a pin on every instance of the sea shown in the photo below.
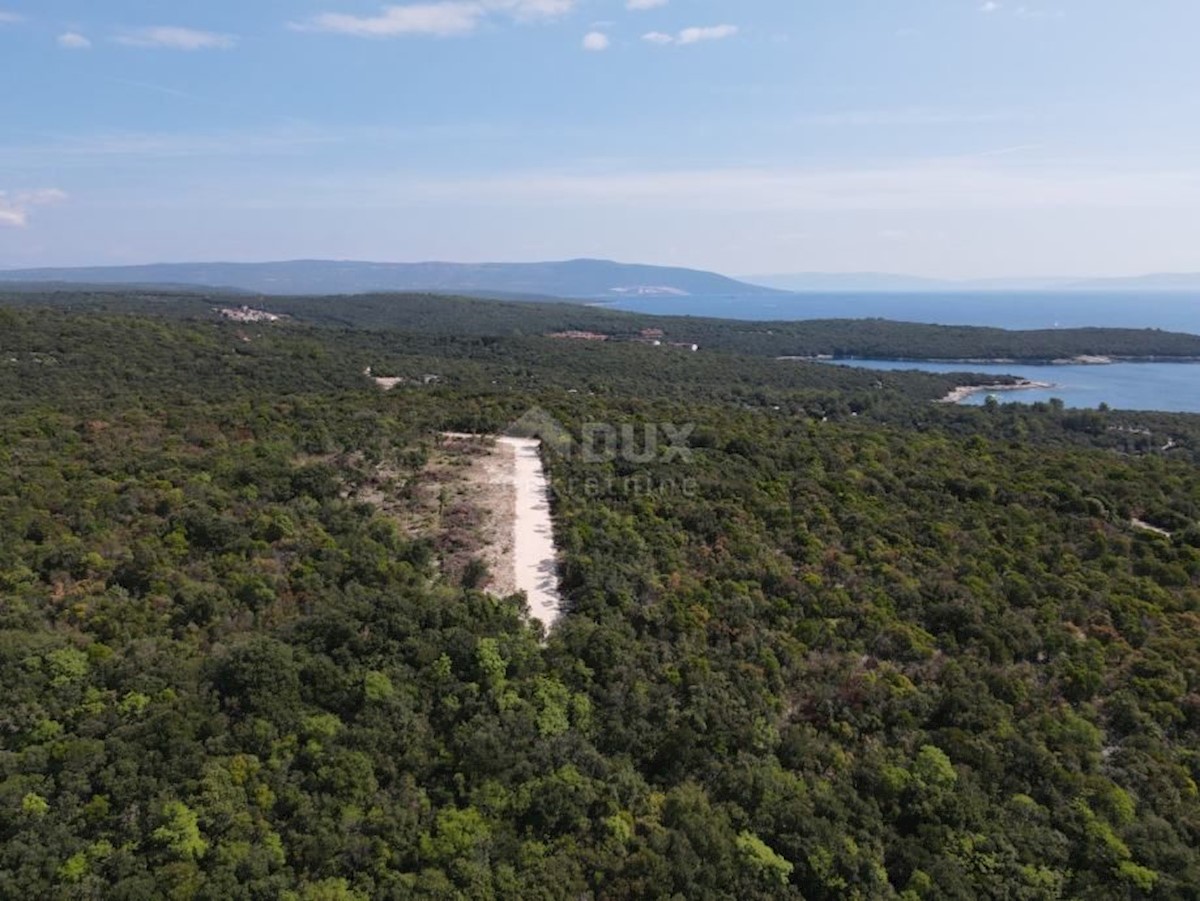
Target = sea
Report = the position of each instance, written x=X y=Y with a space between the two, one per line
x=1170 y=387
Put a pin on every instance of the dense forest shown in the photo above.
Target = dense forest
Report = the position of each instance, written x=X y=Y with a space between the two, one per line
x=854 y=645
x=467 y=317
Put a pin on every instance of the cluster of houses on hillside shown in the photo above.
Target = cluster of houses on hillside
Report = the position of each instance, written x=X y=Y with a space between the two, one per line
x=655 y=337
x=247 y=314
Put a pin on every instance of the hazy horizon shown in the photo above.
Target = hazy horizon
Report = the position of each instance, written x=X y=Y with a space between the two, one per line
x=938 y=138
x=745 y=277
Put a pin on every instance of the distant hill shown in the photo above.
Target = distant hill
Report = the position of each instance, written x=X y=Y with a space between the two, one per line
x=36 y=287
x=571 y=279
x=579 y=279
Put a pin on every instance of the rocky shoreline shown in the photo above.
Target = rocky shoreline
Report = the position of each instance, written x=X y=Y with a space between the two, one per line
x=963 y=392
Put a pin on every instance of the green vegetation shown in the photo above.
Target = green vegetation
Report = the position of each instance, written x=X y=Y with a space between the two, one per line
x=461 y=317
x=857 y=646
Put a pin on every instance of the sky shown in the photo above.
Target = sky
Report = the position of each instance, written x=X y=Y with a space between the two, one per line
x=946 y=138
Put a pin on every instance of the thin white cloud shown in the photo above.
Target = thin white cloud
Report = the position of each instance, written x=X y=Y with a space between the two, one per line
x=7 y=18
x=645 y=4
x=106 y=150
x=73 y=40
x=954 y=184
x=444 y=18
x=596 y=41
x=156 y=88
x=171 y=37
x=693 y=35
x=440 y=19
x=1024 y=12
x=15 y=208
x=902 y=116
x=1008 y=151
x=712 y=33
x=532 y=9
x=109 y=150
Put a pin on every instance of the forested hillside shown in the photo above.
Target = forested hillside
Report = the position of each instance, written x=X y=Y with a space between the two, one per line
x=851 y=645
x=468 y=317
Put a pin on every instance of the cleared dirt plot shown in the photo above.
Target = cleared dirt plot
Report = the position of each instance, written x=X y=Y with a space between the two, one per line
x=493 y=502
x=535 y=557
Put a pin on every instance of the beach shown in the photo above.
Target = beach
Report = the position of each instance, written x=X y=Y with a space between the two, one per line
x=962 y=393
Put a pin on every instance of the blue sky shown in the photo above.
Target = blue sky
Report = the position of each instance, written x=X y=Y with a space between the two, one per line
x=952 y=138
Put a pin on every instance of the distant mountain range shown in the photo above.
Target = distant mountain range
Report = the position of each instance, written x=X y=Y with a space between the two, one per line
x=883 y=282
x=574 y=279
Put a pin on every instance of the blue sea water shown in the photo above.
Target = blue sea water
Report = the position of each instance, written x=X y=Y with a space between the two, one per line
x=1170 y=387
x=1176 y=312
x=1173 y=387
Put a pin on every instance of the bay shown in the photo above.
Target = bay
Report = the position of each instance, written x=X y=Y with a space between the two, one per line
x=1167 y=387
x=1176 y=311
x=1171 y=387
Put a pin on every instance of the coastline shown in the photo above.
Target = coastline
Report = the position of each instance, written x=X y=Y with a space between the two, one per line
x=1161 y=386
x=963 y=392
x=994 y=361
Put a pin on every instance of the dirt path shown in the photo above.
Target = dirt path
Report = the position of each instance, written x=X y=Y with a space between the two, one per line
x=535 y=557
x=511 y=483
x=1146 y=527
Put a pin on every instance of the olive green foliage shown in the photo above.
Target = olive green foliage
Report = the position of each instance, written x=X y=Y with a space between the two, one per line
x=437 y=315
x=854 y=646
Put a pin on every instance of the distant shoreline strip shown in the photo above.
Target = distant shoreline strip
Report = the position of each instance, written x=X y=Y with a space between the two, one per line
x=965 y=392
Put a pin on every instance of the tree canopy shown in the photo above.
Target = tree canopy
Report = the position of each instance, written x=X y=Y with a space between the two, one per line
x=854 y=645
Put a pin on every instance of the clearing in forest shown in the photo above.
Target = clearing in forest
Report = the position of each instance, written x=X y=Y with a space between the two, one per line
x=500 y=485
